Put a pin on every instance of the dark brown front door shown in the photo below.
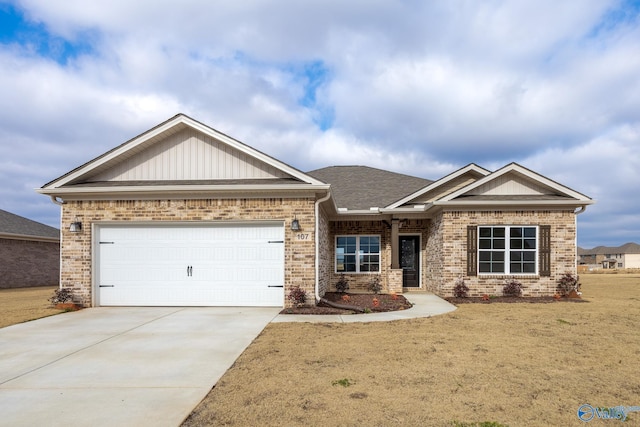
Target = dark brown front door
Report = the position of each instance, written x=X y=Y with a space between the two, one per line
x=410 y=261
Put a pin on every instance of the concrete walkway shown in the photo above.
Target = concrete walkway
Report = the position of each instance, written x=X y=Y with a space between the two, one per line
x=137 y=366
x=120 y=366
x=424 y=305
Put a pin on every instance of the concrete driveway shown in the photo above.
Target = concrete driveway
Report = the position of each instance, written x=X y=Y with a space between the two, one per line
x=120 y=366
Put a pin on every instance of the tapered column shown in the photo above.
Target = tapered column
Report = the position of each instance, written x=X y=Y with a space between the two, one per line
x=395 y=241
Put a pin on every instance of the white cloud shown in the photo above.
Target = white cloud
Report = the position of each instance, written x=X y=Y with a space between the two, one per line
x=414 y=87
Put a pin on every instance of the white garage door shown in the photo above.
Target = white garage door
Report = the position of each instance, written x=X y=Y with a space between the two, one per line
x=239 y=264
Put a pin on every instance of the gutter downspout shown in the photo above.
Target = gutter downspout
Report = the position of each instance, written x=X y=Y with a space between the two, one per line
x=55 y=200
x=575 y=226
x=317 y=210
x=582 y=209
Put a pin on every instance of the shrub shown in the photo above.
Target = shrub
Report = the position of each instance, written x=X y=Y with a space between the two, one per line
x=460 y=289
x=61 y=296
x=297 y=295
x=568 y=283
x=343 y=284
x=375 y=286
x=512 y=288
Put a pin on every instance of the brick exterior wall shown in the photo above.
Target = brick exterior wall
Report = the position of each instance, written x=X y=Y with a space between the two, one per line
x=434 y=256
x=443 y=242
x=359 y=282
x=325 y=253
x=76 y=251
x=26 y=263
x=453 y=245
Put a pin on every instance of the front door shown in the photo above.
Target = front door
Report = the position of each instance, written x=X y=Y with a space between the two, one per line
x=410 y=261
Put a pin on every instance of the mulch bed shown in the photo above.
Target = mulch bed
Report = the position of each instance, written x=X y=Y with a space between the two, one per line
x=386 y=302
x=532 y=300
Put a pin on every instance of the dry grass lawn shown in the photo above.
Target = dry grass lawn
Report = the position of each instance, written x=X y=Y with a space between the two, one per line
x=515 y=364
x=23 y=304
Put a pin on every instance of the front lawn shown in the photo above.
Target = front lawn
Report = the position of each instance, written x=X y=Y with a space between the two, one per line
x=19 y=305
x=515 y=364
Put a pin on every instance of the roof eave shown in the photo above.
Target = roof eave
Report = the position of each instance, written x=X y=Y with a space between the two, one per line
x=14 y=236
x=574 y=202
x=185 y=190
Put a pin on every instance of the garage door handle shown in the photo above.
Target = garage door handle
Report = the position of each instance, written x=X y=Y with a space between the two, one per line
x=107 y=286
x=275 y=286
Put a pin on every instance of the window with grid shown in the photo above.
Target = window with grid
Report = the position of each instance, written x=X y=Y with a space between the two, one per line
x=507 y=250
x=357 y=254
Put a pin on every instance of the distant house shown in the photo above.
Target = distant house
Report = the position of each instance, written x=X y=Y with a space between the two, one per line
x=29 y=252
x=625 y=256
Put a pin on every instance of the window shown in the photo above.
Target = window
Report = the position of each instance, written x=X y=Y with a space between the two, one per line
x=507 y=250
x=357 y=254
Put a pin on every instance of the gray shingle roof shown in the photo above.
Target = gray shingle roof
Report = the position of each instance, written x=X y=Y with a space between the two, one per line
x=15 y=224
x=363 y=187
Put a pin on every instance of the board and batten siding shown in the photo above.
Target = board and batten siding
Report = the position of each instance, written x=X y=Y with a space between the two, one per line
x=189 y=155
x=509 y=185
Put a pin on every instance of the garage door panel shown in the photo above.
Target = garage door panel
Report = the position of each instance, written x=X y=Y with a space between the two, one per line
x=191 y=265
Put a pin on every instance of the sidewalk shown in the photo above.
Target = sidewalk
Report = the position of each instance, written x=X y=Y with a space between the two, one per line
x=424 y=305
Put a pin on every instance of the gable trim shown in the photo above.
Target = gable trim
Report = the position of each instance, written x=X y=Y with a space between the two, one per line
x=178 y=122
x=472 y=167
x=514 y=167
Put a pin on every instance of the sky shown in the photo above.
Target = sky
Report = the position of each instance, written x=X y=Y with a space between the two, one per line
x=415 y=87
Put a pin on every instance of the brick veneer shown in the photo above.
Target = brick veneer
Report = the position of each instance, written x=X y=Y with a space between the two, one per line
x=76 y=251
x=325 y=253
x=443 y=242
x=391 y=280
x=28 y=263
x=449 y=250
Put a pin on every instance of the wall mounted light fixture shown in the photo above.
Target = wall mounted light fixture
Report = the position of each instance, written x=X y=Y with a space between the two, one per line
x=295 y=225
x=76 y=226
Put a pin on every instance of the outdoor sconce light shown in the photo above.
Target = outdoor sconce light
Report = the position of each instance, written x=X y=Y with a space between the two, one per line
x=76 y=226
x=295 y=225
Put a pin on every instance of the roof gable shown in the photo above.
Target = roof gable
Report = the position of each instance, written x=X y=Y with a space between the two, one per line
x=188 y=154
x=446 y=185
x=516 y=184
x=180 y=149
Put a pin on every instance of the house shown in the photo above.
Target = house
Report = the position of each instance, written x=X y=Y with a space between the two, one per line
x=29 y=252
x=185 y=215
x=620 y=257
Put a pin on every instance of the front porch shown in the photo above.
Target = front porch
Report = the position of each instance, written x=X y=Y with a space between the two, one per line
x=391 y=251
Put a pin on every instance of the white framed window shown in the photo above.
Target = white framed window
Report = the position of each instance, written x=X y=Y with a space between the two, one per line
x=507 y=249
x=357 y=254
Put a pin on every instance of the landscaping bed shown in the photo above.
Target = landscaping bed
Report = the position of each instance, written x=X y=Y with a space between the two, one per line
x=503 y=299
x=385 y=302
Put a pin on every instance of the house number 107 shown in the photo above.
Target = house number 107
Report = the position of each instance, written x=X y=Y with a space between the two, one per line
x=303 y=236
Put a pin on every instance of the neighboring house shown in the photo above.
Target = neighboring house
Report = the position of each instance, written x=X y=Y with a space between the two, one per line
x=185 y=215
x=625 y=256
x=29 y=252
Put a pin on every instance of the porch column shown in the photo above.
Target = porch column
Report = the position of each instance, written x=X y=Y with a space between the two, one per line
x=395 y=239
